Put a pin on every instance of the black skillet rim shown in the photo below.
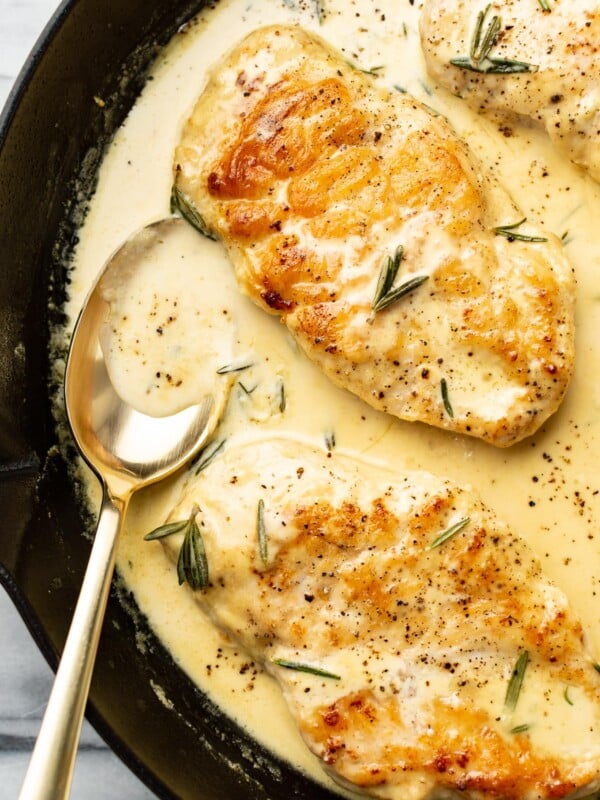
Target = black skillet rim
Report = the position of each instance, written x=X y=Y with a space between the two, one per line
x=33 y=470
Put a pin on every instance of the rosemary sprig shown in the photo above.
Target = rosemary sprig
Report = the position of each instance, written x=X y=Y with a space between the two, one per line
x=385 y=294
x=192 y=565
x=300 y=667
x=208 y=454
x=446 y=397
x=238 y=366
x=511 y=233
x=479 y=58
x=449 y=532
x=261 y=532
x=515 y=683
x=182 y=204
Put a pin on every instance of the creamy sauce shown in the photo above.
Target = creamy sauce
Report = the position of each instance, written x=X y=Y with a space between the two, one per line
x=171 y=329
x=547 y=488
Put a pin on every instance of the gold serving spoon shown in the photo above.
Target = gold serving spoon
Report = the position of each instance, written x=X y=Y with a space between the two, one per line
x=127 y=450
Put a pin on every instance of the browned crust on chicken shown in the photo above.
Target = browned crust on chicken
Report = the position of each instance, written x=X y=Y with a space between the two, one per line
x=423 y=638
x=313 y=177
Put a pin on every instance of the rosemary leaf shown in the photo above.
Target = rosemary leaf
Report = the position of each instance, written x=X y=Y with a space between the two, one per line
x=245 y=389
x=596 y=666
x=208 y=453
x=520 y=728
x=181 y=203
x=261 y=532
x=544 y=4
x=449 y=532
x=401 y=291
x=182 y=560
x=300 y=667
x=567 y=696
x=479 y=58
x=387 y=274
x=495 y=66
x=282 y=397
x=199 y=563
x=515 y=683
x=234 y=367
x=509 y=66
x=434 y=112
x=372 y=70
x=330 y=440
x=192 y=565
x=511 y=233
x=481 y=50
x=166 y=530
x=446 y=398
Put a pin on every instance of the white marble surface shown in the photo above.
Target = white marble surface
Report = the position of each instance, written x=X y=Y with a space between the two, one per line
x=25 y=678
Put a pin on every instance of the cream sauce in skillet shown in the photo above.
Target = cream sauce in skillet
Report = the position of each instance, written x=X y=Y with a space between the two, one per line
x=547 y=488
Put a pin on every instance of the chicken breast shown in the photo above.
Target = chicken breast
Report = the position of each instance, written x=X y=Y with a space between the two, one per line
x=419 y=646
x=535 y=58
x=360 y=218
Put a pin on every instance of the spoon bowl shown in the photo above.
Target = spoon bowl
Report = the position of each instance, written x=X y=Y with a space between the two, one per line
x=127 y=450
x=125 y=447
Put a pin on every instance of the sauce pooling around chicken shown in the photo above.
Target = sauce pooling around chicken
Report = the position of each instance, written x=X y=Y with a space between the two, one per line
x=545 y=488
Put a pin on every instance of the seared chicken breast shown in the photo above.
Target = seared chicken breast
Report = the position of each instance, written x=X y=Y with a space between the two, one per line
x=531 y=58
x=420 y=648
x=361 y=218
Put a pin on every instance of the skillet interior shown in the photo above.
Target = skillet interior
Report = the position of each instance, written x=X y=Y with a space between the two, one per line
x=51 y=138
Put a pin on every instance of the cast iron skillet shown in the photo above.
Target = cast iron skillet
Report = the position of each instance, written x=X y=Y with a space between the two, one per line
x=52 y=134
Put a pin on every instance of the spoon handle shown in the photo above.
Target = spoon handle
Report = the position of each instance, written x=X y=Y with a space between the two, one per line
x=50 y=770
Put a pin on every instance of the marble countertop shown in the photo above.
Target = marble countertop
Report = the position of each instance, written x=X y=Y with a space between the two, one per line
x=25 y=678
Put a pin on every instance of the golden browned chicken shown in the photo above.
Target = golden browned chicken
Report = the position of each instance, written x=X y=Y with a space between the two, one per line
x=535 y=58
x=416 y=640
x=360 y=217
